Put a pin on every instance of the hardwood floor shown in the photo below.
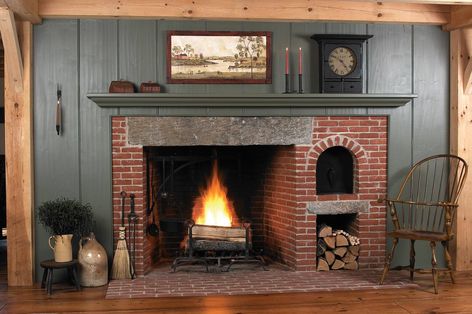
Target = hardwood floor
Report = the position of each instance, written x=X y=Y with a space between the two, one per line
x=451 y=299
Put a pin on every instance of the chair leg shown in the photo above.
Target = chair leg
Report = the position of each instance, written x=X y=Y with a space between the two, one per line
x=76 y=278
x=412 y=258
x=49 y=281
x=388 y=260
x=434 y=263
x=43 y=281
x=448 y=259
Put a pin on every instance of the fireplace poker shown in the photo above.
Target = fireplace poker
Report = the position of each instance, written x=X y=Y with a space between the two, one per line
x=121 y=268
x=132 y=220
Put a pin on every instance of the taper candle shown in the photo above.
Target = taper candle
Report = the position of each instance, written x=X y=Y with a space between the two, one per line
x=286 y=60
x=300 y=60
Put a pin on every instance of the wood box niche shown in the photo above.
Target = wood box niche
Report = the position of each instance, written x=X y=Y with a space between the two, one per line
x=337 y=249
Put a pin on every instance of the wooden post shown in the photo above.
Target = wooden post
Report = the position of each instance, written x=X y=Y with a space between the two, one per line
x=461 y=142
x=18 y=148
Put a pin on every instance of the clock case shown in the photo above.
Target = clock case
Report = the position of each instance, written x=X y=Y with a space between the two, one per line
x=331 y=82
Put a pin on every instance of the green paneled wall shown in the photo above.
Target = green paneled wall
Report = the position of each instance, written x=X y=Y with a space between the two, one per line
x=83 y=56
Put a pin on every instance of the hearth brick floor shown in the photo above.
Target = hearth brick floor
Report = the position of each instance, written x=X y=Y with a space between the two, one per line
x=245 y=279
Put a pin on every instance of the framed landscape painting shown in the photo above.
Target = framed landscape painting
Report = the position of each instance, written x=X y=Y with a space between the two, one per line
x=201 y=57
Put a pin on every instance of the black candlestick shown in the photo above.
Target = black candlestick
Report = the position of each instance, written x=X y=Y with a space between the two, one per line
x=287 y=85
x=300 y=83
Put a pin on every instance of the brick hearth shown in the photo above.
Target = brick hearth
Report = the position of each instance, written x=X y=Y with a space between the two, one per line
x=290 y=199
x=161 y=283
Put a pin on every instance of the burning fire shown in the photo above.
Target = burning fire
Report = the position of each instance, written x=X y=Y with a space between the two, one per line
x=213 y=207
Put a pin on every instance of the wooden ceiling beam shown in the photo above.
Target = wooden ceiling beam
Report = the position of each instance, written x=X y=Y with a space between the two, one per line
x=267 y=10
x=461 y=17
x=443 y=2
x=26 y=10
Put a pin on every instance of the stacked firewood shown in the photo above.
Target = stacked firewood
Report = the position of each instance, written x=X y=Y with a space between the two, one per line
x=336 y=249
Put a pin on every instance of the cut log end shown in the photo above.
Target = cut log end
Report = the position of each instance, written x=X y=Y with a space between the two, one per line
x=324 y=231
x=351 y=265
x=341 y=240
x=338 y=264
x=322 y=265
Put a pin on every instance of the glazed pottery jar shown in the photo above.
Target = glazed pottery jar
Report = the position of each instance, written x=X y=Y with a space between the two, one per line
x=93 y=262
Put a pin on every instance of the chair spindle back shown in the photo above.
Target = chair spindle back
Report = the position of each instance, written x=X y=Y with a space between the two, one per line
x=431 y=188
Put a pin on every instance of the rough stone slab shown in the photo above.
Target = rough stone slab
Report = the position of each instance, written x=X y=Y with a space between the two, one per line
x=189 y=131
x=338 y=207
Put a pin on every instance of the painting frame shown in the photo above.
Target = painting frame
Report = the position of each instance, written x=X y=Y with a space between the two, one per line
x=252 y=64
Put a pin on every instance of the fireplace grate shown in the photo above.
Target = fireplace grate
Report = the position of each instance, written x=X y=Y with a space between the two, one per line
x=218 y=248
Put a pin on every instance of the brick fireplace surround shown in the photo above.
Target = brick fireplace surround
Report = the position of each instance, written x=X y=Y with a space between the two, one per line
x=291 y=203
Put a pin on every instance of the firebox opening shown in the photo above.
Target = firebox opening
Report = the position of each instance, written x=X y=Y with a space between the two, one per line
x=334 y=171
x=177 y=175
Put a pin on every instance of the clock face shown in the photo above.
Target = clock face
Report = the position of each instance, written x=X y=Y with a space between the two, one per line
x=342 y=61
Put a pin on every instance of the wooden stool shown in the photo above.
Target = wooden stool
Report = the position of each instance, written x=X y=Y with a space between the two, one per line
x=49 y=267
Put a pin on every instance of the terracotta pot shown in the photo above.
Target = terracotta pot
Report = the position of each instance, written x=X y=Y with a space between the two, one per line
x=93 y=262
x=62 y=247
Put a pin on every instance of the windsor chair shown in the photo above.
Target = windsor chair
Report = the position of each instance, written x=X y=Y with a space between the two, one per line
x=425 y=209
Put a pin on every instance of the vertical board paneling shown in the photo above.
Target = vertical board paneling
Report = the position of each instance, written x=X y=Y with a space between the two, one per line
x=137 y=56
x=345 y=28
x=393 y=74
x=56 y=157
x=98 y=66
x=431 y=81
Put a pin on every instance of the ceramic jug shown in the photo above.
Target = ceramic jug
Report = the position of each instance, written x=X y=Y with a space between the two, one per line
x=62 y=247
x=93 y=262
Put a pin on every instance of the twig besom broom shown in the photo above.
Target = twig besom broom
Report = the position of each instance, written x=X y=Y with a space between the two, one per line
x=121 y=268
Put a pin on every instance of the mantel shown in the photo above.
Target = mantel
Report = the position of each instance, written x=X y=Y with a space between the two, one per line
x=279 y=101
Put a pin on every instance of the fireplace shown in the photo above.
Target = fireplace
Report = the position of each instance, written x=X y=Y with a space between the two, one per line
x=270 y=167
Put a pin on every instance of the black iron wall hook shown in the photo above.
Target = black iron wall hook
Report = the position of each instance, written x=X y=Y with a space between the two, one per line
x=59 y=110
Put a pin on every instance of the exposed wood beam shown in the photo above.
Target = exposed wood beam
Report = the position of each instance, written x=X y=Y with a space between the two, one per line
x=19 y=166
x=444 y=2
x=271 y=10
x=468 y=78
x=27 y=10
x=461 y=142
x=11 y=47
x=461 y=16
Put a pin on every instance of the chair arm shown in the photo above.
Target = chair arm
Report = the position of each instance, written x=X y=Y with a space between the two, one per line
x=441 y=204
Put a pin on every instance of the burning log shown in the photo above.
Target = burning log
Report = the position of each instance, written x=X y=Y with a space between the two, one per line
x=235 y=234
x=230 y=244
x=336 y=249
x=216 y=238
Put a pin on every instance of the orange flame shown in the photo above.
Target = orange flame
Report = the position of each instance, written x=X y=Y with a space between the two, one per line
x=213 y=207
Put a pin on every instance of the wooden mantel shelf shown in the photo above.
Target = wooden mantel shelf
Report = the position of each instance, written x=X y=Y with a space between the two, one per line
x=278 y=101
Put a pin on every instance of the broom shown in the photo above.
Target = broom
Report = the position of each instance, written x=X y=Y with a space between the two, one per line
x=121 y=268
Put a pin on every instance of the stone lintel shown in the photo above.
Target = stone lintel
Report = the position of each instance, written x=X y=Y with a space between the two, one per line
x=191 y=131
x=338 y=207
